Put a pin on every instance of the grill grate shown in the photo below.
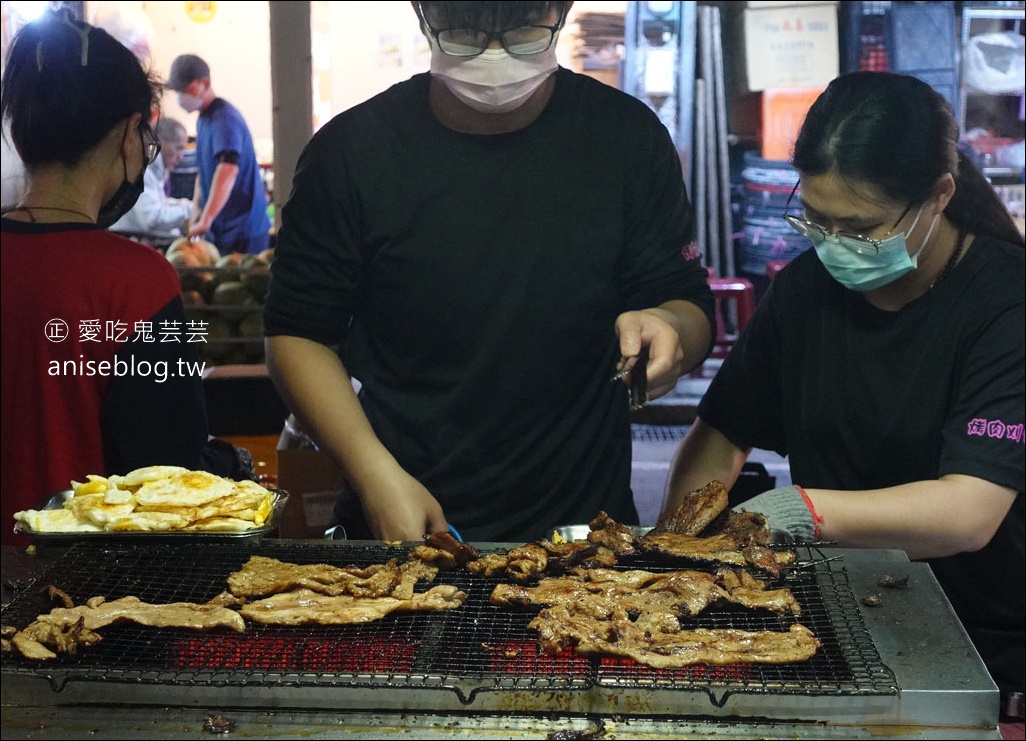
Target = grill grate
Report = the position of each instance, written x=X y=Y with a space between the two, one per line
x=658 y=433
x=477 y=646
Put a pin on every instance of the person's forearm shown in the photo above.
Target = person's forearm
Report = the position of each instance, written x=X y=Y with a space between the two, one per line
x=703 y=456
x=221 y=186
x=692 y=327
x=315 y=385
x=197 y=199
x=926 y=519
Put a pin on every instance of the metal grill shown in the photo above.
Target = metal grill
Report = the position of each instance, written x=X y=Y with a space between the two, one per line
x=476 y=648
x=658 y=433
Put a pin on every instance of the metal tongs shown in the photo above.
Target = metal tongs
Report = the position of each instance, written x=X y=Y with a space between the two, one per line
x=637 y=382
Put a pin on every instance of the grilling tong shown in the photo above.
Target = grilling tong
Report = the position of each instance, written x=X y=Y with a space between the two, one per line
x=637 y=383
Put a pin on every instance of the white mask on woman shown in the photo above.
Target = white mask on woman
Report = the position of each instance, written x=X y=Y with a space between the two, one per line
x=494 y=81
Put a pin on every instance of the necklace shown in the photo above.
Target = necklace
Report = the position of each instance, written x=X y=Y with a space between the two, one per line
x=955 y=254
x=32 y=217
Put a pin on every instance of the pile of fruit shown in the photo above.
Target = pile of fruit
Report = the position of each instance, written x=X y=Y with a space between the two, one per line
x=227 y=292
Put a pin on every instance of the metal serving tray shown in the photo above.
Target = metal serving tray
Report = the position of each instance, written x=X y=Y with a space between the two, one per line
x=65 y=539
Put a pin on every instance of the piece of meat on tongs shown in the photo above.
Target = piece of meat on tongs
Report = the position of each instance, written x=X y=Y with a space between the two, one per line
x=696 y=512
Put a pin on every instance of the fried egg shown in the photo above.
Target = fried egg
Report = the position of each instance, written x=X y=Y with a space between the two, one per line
x=142 y=476
x=189 y=488
x=54 y=521
x=94 y=508
x=156 y=499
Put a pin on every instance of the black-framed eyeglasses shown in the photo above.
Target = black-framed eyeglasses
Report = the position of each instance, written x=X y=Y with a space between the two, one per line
x=522 y=41
x=151 y=144
x=860 y=243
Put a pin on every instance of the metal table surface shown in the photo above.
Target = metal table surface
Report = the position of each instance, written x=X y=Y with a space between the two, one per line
x=940 y=676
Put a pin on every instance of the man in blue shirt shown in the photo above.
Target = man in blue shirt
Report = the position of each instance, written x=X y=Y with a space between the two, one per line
x=230 y=197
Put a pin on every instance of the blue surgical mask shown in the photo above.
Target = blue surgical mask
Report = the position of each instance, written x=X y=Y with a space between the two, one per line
x=862 y=271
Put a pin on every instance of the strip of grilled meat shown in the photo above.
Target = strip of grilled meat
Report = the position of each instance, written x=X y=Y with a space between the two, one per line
x=463 y=553
x=63 y=629
x=261 y=576
x=682 y=592
x=722 y=548
x=661 y=643
x=616 y=537
x=520 y=563
x=696 y=512
x=303 y=606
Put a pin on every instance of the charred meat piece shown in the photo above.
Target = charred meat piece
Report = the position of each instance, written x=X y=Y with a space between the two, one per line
x=608 y=532
x=721 y=548
x=746 y=527
x=564 y=557
x=892 y=582
x=218 y=724
x=696 y=512
x=463 y=553
x=767 y=559
x=596 y=729
x=564 y=626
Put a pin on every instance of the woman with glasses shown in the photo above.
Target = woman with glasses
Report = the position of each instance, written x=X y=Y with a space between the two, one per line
x=97 y=353
x=484 y=247
x=888 y=362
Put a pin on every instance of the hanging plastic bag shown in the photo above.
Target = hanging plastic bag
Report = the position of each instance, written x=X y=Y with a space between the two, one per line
x=995 y=63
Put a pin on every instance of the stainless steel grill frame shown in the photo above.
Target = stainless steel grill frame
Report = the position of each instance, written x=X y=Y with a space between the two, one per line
x=477 y=659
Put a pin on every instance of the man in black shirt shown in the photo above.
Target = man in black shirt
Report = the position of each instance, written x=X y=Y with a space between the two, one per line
x=483 y=248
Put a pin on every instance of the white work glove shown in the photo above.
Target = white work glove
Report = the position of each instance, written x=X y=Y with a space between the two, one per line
x=788 y=509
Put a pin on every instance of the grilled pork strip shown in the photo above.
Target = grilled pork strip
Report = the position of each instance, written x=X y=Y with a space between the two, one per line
x=262 y=576
x=637 y=591
x=520 y=564
x=462 y=553
x=658 y=644
x=722 y=548
x=304 y=606
x=63 y=629
x=697 y=510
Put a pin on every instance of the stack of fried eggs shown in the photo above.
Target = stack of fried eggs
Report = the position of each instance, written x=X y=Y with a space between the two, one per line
x=156 y=499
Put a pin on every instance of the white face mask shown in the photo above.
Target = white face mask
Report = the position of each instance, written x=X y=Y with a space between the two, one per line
x=189 y=103
x=494 y=81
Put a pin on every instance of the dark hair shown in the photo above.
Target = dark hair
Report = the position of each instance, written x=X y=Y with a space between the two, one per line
x=897 y=133
x=491 y=16
x=66 y=85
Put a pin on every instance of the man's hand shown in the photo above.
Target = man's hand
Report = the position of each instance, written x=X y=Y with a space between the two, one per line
x=677 y=335
x=647 y=329
x=401 y=508
x=198 y=229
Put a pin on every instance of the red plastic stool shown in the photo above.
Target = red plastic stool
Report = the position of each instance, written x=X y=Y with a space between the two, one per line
x=741 y=292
